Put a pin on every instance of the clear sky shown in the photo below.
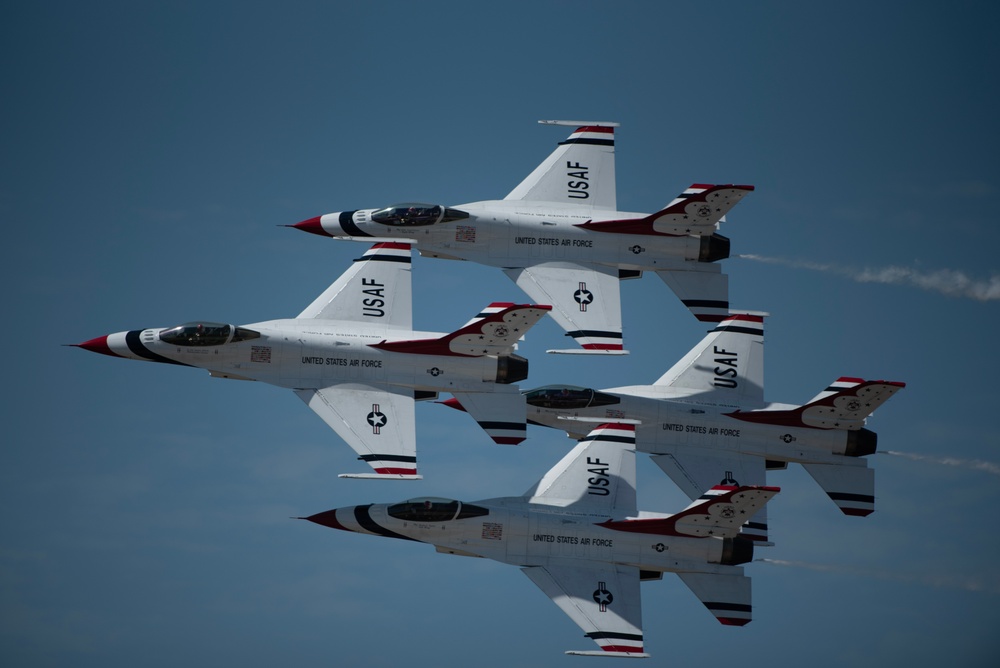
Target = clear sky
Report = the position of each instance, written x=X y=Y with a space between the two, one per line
x=149 y=152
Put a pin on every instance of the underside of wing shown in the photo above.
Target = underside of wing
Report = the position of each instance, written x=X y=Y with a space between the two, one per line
x=378 y=422
x=696 y=470
x=603 y=599
x=585 y=299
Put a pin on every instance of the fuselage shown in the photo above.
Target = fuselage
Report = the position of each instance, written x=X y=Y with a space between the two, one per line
x=505 y=233
x=513 y=531
x=668 y=419
x=309 y=354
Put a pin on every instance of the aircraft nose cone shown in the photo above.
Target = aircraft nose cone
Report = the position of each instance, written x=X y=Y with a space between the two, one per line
x=327 y=518
x=313 y=226
x=98 y=345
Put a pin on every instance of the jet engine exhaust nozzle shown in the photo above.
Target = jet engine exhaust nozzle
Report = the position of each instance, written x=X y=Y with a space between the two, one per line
x=511 y=369
x=736 y=551
x=713 y=248
x=861 y=442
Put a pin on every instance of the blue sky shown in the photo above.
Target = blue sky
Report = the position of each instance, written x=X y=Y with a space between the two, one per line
x=151 y=150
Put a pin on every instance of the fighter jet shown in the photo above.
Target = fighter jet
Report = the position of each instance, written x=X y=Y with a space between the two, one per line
x=352 y=356
x=705 y=421
x=578 y=536
x=560 y=237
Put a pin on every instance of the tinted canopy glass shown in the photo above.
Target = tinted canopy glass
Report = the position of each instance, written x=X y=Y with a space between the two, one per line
x=414 y=214
x=568 y=397
x=431 y=509
x=205 y=334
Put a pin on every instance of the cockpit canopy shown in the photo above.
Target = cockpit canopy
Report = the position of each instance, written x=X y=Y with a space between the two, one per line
x=205 y=334
x=433 y=509
x=413 y=214
x=568 y=397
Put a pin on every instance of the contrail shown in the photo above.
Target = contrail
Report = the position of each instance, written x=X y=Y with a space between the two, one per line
x=943 y=580
x=948 y=282
x=974 y=464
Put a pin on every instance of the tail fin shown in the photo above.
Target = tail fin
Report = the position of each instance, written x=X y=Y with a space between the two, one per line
x=495 y=331
x=728 y=362
x=598 y=474
x=698 y=210
x=721 y=511
x=846 y=404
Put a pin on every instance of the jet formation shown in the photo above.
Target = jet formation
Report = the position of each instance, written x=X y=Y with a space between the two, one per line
x=560 y=236
x=353 y=357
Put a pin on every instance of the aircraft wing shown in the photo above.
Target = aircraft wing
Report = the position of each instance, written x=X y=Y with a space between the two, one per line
x=585 y=299
x=602 y=598
x=581 y=171
x=375 y=290
x=378 y=422
x=695 y=470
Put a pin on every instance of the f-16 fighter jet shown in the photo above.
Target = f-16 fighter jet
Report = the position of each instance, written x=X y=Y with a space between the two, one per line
x=577 y=535
x=705 y=421
x=352 y=356
x=560 y=236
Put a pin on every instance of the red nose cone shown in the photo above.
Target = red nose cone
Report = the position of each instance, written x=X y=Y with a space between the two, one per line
x=313 y=225
x=98 y=345
x=327 y=519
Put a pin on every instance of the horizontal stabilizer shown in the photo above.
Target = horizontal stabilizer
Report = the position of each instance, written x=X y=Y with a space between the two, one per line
x=726 y=596
x=381 y=476
x=696 y=469
x=621 y=655
x=705 y=292
x=500 y=414
x=850 y=485
x=844 y=405
x=489 y=333
x=721 y=511
x=698 y=210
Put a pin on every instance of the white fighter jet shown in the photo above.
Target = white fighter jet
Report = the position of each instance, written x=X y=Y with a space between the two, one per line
x=560 y=237
x=352 y=356
x=578 y=536
x=705 y=421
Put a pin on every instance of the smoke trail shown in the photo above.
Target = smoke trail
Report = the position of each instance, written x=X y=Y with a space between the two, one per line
x=940 y=580
x=974 y=464
x=948 y=282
